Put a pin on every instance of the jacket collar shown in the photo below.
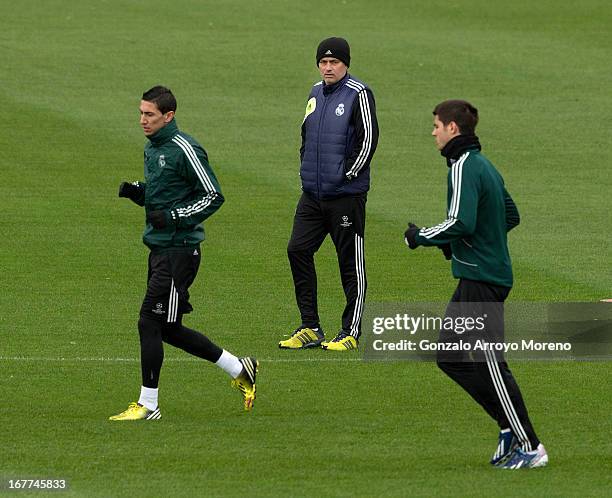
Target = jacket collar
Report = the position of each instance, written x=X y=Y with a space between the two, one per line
x=457 y=146
x=164 y=134
x=329 y=89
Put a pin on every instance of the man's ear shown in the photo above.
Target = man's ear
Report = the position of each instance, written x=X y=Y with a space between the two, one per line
x=169 y=116
x=454 y=128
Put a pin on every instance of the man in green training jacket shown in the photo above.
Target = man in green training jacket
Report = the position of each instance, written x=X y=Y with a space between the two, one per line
x=474 y=236
x=180 y=191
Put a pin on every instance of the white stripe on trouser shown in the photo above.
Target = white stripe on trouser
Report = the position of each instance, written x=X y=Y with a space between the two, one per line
x=172 y=304
x=360 y=272
x=506 y=402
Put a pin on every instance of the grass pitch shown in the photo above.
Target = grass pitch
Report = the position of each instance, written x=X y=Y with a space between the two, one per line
x=324 y=425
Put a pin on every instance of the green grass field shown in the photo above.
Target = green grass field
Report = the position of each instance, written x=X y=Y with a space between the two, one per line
x=74 y=270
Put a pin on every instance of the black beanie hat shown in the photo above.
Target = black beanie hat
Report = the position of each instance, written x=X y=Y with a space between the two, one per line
x=335 y=47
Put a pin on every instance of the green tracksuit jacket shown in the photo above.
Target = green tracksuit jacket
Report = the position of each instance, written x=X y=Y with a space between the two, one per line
x=480 y=213
x=179 y=181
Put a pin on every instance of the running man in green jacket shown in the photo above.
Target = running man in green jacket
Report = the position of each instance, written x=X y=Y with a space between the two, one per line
x=474 y=236
x=179 y=192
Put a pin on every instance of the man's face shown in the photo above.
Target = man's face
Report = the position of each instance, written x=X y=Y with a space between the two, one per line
x=444 y=133
x=332 y=70
x=151 y=118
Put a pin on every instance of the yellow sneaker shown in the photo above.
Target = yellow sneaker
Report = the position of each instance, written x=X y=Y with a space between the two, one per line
x=303 y=338
x=342 y=342
x=245 y=382
x=137 y=412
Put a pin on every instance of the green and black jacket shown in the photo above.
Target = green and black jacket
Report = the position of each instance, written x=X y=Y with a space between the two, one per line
x=179 y=181
x=480 y=213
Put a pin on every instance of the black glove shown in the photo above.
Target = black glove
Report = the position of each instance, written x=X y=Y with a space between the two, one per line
x=410 y=236
x=446 y=249
x=129 y=190
x=158 y=219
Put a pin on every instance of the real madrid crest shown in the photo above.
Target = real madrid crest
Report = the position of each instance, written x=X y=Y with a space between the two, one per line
x=162 y=161
x=340 y=110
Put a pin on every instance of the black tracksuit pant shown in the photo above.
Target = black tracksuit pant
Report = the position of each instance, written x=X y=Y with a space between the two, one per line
x=485 y=374
x=344 y=220
x=171 y=273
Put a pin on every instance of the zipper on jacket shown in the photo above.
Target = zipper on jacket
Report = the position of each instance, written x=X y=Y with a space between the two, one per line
x=319 y=141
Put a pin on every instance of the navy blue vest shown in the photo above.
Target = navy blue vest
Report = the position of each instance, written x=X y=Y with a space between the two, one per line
x=329 y=138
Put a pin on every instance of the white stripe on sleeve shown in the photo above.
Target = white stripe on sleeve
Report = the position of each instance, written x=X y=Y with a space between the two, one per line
x=197 y=166
x=366 y=147
x=453 y=209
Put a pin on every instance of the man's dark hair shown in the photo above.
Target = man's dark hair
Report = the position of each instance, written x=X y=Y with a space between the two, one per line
x=461 y=112
x=162 y=97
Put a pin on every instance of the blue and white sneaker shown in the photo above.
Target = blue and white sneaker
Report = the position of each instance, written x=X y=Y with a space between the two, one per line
x=526 y=459
x=507 y=444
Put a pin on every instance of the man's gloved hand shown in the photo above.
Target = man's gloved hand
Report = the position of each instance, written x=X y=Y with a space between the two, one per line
x=446 y=249
x=129 y=190
x=410 y=236
x=159 y=219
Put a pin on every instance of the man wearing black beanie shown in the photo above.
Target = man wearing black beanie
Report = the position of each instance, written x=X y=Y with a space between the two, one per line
x=336 y=48
x=339 y=138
